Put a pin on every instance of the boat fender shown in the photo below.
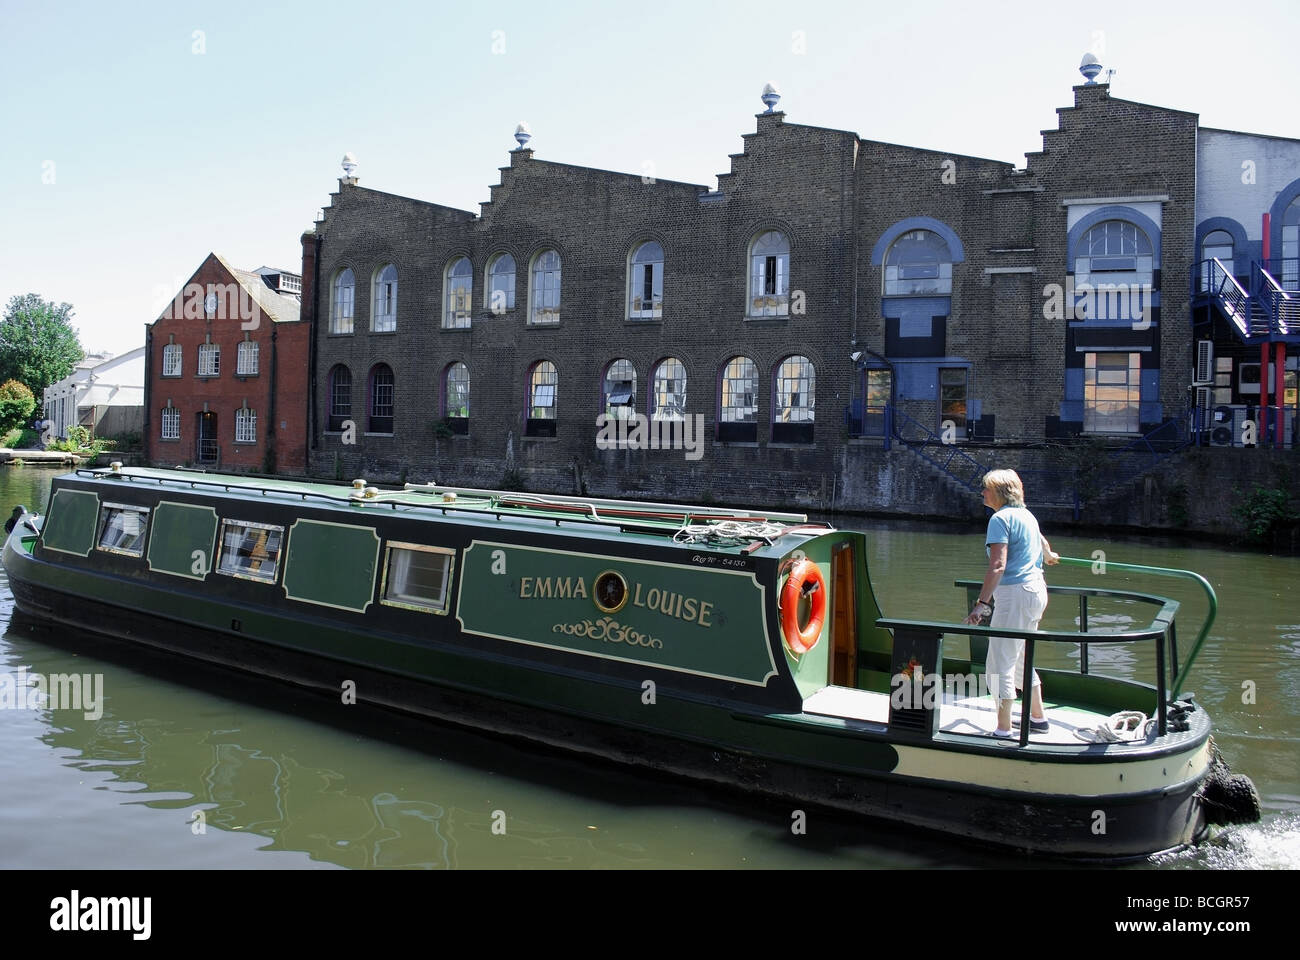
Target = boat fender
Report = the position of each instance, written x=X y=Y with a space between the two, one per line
x=805 y=580
x=14 y=518
x=1228 y=797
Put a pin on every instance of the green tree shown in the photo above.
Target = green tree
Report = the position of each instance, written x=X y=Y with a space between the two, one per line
x=16 y=405
x=38 y=344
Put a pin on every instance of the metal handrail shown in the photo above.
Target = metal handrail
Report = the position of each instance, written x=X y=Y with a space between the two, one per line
x=1221 y=284
x=1274 y=296
x=1287 y=269
x=931 y=439
x=1161 y=627
x=1180 y=675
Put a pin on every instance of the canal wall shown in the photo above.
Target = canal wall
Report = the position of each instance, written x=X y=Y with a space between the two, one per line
x=1194 y=490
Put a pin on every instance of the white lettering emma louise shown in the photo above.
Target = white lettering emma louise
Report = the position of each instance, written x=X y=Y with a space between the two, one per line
x=674 y=605
x=74 y=913
x=536 y=588
x=668 y=602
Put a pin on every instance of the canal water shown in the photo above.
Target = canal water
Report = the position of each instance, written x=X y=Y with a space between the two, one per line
x=197 y=767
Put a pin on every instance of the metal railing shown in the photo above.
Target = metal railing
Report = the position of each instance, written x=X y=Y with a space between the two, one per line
x=1286 y=270
x=1161 y=630
x=1279 y=304
x=945 y=456
x=1212 y=278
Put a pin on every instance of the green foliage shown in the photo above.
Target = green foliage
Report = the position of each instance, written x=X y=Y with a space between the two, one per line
x=1261 y=511
x=442 y=429
x=20 y=438
x=38 y=344
x=128 y=441
x=1177 y=505
x=512 y=479
x=81 y=442
x=16 y=405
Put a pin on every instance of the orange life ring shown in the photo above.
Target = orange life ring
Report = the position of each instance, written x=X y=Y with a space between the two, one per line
x=806 y=577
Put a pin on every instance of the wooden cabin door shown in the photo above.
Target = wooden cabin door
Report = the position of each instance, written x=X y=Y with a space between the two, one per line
x=844 y=618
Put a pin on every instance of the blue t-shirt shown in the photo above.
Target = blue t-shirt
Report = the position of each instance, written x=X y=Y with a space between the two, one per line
x=1017 y=528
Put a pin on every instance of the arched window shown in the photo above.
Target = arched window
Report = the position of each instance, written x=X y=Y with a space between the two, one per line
x=343 y=302
x=1113 y=272
x=738 y=417
x=1216 y=245
x=769 y=275
x=668 y=397
x=543 y=385
x=918 y=264
x=382 y=398
x=340 y=397
x=457 y=282
x=645 y=296
x=500 y=287
x=792 y=413
x=456 y=397
x=620 y=390
x=1289 y=272
x=545 y=295
x=1114 y=246
x=383 y=315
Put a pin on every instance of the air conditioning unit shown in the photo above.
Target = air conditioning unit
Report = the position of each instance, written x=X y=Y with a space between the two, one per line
x=1227 y=424
x=1204 y=362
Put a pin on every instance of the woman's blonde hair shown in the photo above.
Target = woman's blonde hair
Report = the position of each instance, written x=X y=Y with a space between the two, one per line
x=1006 y=484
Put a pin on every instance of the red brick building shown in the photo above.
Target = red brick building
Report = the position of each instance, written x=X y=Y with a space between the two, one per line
x=226 y=373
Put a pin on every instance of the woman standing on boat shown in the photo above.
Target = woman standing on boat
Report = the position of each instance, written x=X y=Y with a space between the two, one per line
x=1014 y=585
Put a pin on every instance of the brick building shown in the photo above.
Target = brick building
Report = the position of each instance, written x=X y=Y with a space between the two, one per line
x=831 y=292
x=226 y=373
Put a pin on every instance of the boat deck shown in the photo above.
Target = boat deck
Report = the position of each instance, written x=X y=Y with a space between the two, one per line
x=964 y=715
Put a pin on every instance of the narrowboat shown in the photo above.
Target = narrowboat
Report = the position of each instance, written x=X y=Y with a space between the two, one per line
x=737 y=647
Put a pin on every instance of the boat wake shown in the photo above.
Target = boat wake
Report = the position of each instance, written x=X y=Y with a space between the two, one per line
x=1271 y=844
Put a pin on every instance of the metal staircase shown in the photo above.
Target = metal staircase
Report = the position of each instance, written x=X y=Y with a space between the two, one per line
x=1267 y=312
x=948 y=458
x=1055 y=487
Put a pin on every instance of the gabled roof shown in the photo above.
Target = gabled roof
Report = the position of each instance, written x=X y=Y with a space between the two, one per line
x=279 y=308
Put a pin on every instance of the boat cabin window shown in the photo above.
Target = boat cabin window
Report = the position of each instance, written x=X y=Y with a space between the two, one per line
x=121 y=528
x=250 y=550
x=416 y=577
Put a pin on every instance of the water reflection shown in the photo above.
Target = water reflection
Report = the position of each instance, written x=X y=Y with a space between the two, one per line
x=363 y=788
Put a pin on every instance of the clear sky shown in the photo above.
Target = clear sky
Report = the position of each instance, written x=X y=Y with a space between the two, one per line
x=139 y=136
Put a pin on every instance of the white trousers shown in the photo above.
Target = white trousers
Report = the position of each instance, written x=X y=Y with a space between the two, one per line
x=1020 y=606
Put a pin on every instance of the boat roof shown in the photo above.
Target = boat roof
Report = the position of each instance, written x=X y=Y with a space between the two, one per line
x=694 y=526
